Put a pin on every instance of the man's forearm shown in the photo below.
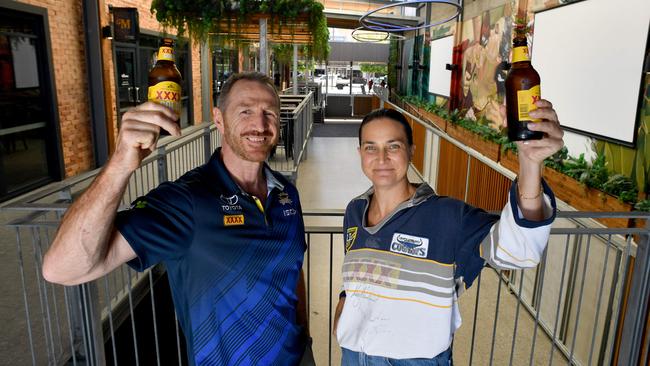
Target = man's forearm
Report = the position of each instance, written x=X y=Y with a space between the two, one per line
x=81 y=245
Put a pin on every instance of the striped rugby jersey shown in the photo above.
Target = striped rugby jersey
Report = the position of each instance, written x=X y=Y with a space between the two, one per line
x=233 y=264
x=402 y=277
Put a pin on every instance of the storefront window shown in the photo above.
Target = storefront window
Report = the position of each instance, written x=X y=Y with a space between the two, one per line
x=28 y=147
x=224 y=63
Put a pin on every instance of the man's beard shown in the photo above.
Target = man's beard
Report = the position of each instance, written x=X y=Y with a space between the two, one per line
x=257 y=154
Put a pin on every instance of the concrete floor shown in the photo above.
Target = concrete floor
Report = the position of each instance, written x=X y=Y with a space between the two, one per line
x=327 y=179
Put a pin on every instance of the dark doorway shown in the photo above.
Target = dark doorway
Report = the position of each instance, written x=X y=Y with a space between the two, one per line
x=30 y=154
x=224 y=64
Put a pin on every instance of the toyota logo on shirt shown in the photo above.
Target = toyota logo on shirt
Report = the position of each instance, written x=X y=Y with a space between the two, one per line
x=232 y=200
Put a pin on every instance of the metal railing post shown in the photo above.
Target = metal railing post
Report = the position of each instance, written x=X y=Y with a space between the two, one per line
x=637 y=309
x=207 y=149
x=162 y=164
x=89 y=322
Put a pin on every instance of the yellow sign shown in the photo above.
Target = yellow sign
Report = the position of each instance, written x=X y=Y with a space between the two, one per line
x=230 y=220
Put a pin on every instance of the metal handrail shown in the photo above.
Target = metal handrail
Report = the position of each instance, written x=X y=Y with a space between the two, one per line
x=43 y=217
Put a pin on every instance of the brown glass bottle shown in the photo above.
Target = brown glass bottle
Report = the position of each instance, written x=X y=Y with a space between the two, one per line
x=522 y=91
x=165 y=80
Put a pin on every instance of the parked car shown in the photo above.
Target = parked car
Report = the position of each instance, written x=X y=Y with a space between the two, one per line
x=342 y=82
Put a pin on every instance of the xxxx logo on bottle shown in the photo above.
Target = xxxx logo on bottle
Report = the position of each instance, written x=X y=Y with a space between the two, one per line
x=167 y=93
x=166 y=53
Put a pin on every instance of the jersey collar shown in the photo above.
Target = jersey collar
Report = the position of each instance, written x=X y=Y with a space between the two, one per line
x=228 y=185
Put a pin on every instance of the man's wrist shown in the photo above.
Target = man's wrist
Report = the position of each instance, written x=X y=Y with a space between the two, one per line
x=115 y=167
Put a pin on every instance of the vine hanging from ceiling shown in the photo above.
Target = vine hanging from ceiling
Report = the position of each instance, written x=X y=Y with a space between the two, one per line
x=203 y=17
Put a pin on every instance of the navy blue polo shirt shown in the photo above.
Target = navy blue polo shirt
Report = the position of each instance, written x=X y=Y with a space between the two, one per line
x=233 y=264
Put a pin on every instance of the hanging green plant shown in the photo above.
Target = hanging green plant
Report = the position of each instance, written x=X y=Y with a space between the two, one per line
x=283 y=53
x=392 y=62
x=202 y=17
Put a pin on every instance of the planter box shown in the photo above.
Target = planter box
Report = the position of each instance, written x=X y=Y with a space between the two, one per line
x=410 y=108
x=435 y=119
x=426 y=115
x=510 y=161
x=584 y=198
x=476 y=142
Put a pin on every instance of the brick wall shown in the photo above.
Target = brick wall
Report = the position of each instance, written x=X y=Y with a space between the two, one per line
x=69 y=65
x=196 y=81
x=70 y=75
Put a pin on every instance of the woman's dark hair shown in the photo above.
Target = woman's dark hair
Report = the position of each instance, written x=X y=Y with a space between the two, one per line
x=392 y=114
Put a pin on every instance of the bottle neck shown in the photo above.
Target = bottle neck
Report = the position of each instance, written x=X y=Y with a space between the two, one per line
x=166 y=54
x=520 y=54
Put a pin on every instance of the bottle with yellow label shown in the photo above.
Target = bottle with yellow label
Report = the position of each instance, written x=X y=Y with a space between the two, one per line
x=522 y=91
x=165 y=80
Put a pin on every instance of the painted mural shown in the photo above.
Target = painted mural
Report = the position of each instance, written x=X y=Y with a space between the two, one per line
x=479 y=89
x=485 y=44
x=486 y=41
x=547 y=4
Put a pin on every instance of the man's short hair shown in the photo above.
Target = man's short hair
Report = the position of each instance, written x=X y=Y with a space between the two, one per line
x=222 y=101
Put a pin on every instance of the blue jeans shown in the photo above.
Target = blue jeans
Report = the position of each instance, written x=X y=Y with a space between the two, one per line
x=352 y=358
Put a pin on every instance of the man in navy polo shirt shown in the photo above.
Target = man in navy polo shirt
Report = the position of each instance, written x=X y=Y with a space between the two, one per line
x=230 y=232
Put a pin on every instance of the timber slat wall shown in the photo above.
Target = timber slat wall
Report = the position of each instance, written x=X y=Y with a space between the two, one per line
x=452 y=171
x=488 y=189
x=419 y=137
x=452 y=174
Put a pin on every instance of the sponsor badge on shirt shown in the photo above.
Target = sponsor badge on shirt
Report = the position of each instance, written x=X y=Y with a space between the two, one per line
x=350 y=237
x=414 y=246
x=230 y=220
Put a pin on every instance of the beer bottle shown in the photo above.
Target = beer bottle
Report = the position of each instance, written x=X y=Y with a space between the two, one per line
x=522 y=91
x=165 y=80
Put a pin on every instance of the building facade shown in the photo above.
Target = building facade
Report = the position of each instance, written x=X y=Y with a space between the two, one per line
x=50 y=127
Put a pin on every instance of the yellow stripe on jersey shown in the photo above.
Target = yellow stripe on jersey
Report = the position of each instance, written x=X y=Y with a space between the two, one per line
x=259 y=204
x=512 y=256
x=399 y=298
